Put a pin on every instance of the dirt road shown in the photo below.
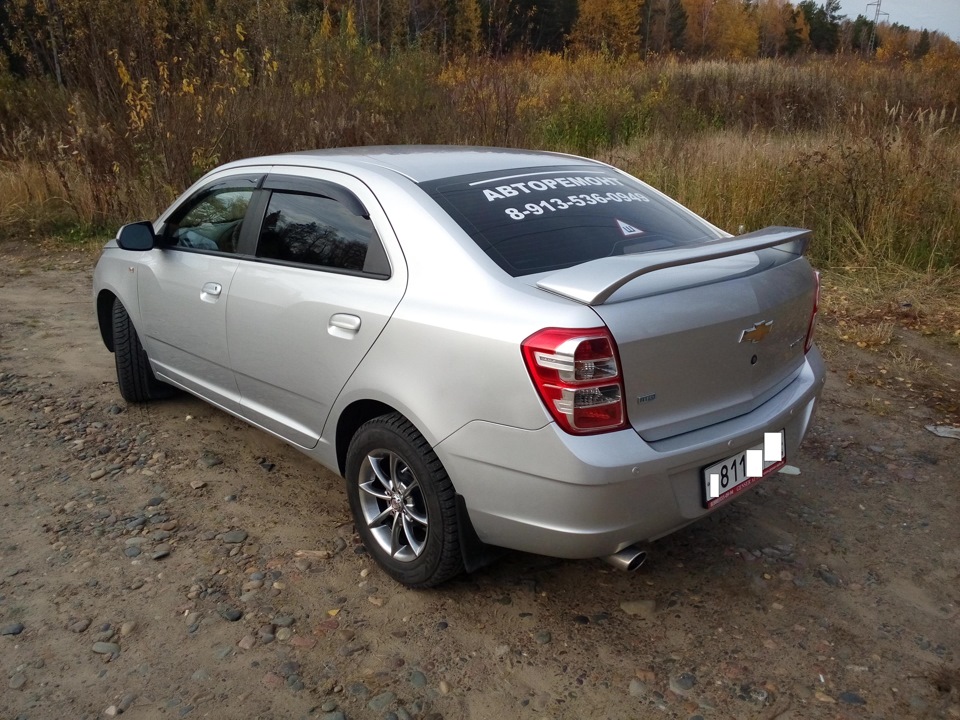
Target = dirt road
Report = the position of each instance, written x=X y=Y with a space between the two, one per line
x=167 y=561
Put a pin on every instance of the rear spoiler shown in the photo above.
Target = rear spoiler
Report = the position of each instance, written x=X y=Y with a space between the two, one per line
x=592 y=283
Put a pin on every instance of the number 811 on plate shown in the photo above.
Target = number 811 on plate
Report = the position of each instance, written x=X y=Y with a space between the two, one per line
x=732 y=476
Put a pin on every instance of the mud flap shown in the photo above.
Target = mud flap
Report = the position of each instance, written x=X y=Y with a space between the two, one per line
x=476 y=553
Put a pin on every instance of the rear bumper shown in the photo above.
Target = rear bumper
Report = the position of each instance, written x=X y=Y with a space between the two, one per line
x=547 y=492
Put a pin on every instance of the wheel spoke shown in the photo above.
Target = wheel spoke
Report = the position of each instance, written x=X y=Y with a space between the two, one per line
x=370 y=489
x=397 y=467
x=410 y=532
x=386 y=479
x=405 y=490
x=395 y=535
x=379 y=519
x=410 y=511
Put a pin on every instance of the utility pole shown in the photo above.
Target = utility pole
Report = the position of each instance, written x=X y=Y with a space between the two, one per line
x=876 y=19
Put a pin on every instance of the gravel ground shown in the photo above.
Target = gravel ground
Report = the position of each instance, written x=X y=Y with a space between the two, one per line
x=168 y=561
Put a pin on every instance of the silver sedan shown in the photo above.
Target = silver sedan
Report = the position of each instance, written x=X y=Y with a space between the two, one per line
x=495 y=348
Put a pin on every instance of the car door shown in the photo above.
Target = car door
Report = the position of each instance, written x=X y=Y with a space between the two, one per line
x=310 y=304
x=183 y=286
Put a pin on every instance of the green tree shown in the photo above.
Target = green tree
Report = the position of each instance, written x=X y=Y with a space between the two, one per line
x=798 y=31
x=861 y=31
x=662 y=23
x=922 y=48
x=824 y=23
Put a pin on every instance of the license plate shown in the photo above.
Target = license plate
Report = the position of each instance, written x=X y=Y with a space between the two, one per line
x=727 y=478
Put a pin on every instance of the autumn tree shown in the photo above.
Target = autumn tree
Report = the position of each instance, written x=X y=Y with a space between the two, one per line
x=733 y=30
x=610 y=25
x=466 y=26
x=894 y=41
x=696 y=32
x=721 y=28
x=772 y=17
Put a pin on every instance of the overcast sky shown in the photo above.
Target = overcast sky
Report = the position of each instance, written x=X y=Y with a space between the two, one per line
x=942 y=15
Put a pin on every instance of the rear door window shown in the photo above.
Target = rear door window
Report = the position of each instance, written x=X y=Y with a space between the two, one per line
x=537 y=220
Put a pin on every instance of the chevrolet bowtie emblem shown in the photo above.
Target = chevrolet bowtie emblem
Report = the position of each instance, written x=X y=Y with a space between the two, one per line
x=757 y=333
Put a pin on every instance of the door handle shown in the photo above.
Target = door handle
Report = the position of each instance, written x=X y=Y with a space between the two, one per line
x=343 y=325
x=210 y=291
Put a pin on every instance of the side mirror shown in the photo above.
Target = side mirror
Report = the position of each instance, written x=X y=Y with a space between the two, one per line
x=137 y=236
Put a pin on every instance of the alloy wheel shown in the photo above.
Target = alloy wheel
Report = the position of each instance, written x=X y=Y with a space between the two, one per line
x=393 y=505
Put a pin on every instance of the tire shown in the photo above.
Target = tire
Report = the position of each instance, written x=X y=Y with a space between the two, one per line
x=134 y=375
x=403 y=503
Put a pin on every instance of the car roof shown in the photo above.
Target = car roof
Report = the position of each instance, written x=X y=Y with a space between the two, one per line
x=420 y=163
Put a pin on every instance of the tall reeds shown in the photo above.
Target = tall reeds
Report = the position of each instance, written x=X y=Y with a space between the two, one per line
x=866 y=155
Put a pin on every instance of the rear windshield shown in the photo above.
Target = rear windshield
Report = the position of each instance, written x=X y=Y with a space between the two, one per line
x=539 y=219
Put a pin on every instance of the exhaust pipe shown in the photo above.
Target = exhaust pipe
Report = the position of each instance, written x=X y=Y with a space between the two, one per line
x=629 y=559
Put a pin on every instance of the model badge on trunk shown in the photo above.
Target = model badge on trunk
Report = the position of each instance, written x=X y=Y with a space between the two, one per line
x=757 y=333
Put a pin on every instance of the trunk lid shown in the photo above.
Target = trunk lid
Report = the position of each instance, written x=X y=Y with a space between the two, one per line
x=702 y=343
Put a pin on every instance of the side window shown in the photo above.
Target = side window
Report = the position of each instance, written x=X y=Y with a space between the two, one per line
x=211 y=220
x=314 y=230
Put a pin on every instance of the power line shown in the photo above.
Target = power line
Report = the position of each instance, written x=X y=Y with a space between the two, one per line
x=876 y=20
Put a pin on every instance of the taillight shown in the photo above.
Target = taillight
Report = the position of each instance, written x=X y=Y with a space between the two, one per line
x=578 y=377
x=808 y=343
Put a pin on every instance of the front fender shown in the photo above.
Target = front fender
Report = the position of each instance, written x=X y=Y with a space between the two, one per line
x=115 y=276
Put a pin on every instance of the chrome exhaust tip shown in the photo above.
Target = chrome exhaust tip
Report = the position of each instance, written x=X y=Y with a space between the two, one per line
x=628 y=559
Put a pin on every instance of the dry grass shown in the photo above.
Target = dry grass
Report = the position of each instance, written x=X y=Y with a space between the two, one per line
x=866 y=309
x=926 y=302
x=869 y=159
x=905 y=361
x=26 y=190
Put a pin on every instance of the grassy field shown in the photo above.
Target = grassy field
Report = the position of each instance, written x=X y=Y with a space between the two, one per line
x=865 y=154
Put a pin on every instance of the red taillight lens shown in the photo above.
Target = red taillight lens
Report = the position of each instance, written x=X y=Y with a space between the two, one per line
x=808 y=343
x=578 y=377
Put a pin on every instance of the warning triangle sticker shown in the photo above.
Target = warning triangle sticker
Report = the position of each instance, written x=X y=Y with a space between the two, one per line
x=627 y=229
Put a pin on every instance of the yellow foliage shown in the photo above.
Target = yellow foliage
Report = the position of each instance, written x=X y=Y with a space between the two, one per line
x=269 y=64
x=349 y=27
x=733 y=32
x=139 y=100
x=608 y=25
x=204 y=159
x=319 y=76
x=466 y=26
x=943 y=61
x=721 y=28
x=326 y=25
x=772 y=17
x=163 y=72
x=240 y=69
x=140 y=104
x=125 y=80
